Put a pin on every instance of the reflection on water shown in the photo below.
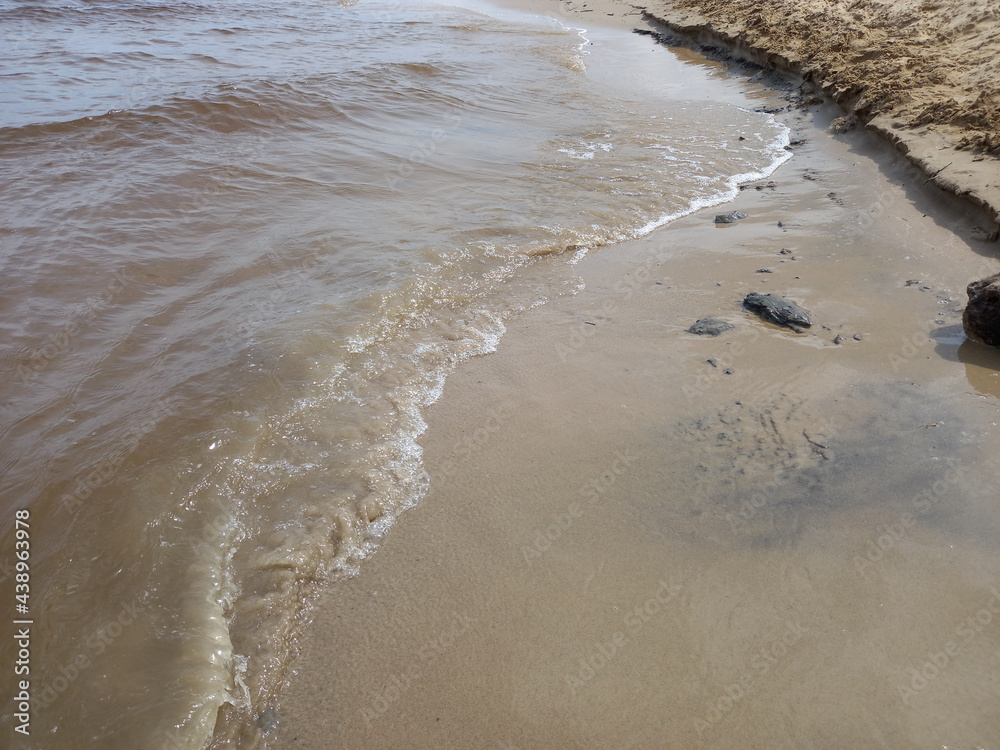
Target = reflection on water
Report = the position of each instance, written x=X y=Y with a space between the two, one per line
x=982 y=367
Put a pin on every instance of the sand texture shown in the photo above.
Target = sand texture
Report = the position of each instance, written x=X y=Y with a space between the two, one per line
x=925 y=74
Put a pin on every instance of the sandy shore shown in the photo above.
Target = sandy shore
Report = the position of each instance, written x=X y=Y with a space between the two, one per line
x=640 y=538
x=925 y=74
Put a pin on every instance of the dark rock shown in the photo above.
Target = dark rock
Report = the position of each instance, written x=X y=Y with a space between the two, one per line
x=730 y=218
x=765 y=270
x=728 y=371
x=777 y=309
x=710 y=327
x=981 y=318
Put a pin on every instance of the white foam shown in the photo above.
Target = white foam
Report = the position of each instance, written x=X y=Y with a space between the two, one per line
x=780 y=155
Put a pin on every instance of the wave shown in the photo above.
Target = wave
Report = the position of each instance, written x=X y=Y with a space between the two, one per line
x=78 y=12
x=264 y=105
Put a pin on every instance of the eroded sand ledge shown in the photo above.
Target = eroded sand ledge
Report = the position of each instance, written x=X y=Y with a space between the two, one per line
x=924 y=74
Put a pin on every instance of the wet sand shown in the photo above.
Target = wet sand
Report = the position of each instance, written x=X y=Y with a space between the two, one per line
x=626 y=545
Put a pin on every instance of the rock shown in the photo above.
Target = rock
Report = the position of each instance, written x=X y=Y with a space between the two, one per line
x=843 y=124
x=731 y=218
x=765 y=270
x=710 y=327
x=981 y=318
x=267 y=720
x=777 y=309
x=981 y=235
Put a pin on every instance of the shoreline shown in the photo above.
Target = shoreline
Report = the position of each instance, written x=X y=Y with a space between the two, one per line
x=932 y=132
x=620 y=536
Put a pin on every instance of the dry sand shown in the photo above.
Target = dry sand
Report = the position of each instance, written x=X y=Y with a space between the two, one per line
x=625 y=547
x=923 y=73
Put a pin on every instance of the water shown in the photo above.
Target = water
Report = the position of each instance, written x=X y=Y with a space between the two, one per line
x=243 y=244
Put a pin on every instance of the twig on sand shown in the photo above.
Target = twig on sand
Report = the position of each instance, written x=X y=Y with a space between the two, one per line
x=938 y=172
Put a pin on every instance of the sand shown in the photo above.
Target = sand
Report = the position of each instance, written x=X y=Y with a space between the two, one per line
x=626 y=545
x=925 y=74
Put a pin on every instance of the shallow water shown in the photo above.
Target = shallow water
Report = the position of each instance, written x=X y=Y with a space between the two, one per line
x=243 y=245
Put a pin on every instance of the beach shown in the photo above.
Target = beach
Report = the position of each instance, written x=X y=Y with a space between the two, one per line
x=356 y=393
x=639 y=537
x=921 y=74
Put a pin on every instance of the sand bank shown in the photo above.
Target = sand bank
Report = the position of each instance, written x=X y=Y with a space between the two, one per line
x=640 y=538
x=925 y=74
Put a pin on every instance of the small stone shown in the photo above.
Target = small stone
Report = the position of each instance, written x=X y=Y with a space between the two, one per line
x=712 y=361
x=710 y=327
x=728 y=371
x=912 y=282
x=730 y=218
x=780 y=225
x=765 y=270
x=785 y=251
x=267 y=720
x=858 y=337
x=843 y=124
x=978 y=234
x=838 y=339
